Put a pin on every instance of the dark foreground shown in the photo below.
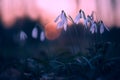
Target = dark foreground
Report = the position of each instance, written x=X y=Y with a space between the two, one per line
x=73 y=56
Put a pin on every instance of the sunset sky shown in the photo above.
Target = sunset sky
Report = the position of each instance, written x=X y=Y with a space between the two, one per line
x=47 y=10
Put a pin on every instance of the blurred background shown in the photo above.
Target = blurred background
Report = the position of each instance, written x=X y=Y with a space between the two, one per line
x=46 y=11
x=16 y=15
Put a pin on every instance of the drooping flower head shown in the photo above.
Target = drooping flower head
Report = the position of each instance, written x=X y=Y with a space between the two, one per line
x=102 y=27
x=42 y=36
x=83 y=15
x=93 y=28
x=92 y=15
x=63 y=22
x=23 y=36
x=35 y=32
x=77 y=18
x=87 y=21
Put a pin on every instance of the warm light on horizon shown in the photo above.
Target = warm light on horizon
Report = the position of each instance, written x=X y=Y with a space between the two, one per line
x=47 y=10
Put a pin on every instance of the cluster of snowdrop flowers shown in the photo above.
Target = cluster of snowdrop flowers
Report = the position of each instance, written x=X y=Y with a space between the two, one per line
x=63 y=22
x=103 y=27
x=35 y=33
x=23 y=36
x=90 y=20
x=95 y=26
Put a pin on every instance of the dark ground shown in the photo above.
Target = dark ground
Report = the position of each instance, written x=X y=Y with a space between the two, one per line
x=75 y=55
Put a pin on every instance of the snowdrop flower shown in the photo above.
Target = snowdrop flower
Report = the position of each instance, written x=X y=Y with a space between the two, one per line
x=86 y=19
x=102 y=27
x=35 y=32
x=77 y=18
x=92 y=15
x=23 y=35
x=93 y=28
x=42 y=36
x=63 y=22
x=83 y=14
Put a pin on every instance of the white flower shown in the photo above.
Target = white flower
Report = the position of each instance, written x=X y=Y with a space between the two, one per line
x=42 y=36
x=83 y=14
x=60 y=24
x=35 y=32
x=87 y=20
x=77 y=18
x=65 y=25
x=92 y=15
x=93 y=28
x=57 y=18
x=63 y=22
x=23 y=35
x=102 y=27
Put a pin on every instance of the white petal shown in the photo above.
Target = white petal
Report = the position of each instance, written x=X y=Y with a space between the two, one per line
x=92 y=15
x=77 y=18
x=42 y=36
x=101 y=28
x=95 y=26
x=23 y=35
x=65 y=26
x=60 y=24
x=57 y=19
x=35 y=32
x=62 y=16
x=92 y=29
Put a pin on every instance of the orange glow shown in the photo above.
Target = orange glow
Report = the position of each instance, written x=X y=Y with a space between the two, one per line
x=51 y=32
